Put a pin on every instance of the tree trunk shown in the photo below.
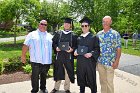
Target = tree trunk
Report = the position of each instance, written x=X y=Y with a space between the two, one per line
x=15 y=32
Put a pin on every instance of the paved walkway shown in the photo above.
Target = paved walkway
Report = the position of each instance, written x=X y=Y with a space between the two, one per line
x=127 y=78
x=124 y=83
x=130 y=64
x=11 y=39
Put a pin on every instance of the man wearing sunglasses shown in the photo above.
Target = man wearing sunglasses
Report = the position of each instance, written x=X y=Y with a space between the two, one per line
x=86 y=63
x=39 y=43
x=108 y=61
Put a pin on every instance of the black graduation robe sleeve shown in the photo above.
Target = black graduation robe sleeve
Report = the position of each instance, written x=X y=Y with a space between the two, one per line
x=74 y=43
x=55 y=41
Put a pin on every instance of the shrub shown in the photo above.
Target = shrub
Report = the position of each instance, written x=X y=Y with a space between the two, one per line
x=13 y=64
x=19 y=29
x=27 y=68
x=50 y=72
x=75 y=63
x=1 y=67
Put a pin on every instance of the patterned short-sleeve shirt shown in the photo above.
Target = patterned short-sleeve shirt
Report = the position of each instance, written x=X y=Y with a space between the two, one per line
x=109 y=42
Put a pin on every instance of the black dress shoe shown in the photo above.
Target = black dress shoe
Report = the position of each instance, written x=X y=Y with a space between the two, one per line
x=67 y=91
x=54 y=91
x=45 y=91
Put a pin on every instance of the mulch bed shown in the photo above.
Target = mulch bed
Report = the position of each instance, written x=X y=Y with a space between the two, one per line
x=14 y=77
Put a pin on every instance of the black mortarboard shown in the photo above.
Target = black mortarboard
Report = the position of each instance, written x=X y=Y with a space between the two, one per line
x=68 y=20
x=86 y=20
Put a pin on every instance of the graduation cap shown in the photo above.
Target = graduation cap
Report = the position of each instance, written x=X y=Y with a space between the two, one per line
x=86 y=20
x=68 y=20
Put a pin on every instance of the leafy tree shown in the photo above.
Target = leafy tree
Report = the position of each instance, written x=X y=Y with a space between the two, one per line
x=17 y=10
x=136 y=14
x=54 y=12
x=12 y=10
x=95 y=10
x=32 y=16
x=125 y=17
x=125 y=13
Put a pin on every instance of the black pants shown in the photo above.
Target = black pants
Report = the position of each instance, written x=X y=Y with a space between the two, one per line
x=82 y=90
x=39 y=71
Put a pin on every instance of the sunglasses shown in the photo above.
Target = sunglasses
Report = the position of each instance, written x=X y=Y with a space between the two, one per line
x=43 y=24
x=84 y=25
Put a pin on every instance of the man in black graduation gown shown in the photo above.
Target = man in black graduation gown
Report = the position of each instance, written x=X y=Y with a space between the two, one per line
x=86 y=63
x=64 y=62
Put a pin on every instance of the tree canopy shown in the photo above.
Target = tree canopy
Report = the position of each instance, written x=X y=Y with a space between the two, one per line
x=125 y=13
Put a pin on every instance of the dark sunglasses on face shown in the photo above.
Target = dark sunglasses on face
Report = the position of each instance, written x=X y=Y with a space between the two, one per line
x=84 y=25
x=43 y=24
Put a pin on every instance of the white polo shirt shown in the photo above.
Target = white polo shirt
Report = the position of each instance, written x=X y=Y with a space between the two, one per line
x=40 y=46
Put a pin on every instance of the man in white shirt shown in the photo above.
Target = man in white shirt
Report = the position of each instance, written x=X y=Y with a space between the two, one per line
x=39 y=43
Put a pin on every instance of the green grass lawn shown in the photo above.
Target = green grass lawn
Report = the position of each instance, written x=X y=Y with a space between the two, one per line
x=130 y=49
x=9 y=50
